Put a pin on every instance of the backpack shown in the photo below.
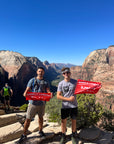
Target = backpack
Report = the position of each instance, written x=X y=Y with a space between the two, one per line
x=35 y=83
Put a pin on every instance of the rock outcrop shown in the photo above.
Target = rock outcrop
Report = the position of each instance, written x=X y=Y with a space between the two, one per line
x=110 y=55
x=99 y=67
x=11 y=132
x=11 y=62
x=17 y=70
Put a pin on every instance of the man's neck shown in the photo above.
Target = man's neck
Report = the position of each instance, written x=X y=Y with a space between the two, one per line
x=67 y=79
x=40 y=78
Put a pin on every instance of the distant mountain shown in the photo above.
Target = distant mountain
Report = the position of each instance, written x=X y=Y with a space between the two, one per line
x=61 y=65
x=17 y=69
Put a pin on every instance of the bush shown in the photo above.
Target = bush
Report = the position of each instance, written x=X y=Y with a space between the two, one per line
x=53 y=108
x=108 y=120
x=24 y=107
x=89 y=112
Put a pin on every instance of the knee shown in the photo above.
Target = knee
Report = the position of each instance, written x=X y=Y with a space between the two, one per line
x=63 y=120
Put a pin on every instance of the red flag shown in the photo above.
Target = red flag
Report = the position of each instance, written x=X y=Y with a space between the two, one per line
x=87 y=87
x=38 y=96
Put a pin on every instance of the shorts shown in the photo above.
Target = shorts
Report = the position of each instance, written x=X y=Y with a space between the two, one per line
x=66 y=112
x=32 y=110
x=7 y=98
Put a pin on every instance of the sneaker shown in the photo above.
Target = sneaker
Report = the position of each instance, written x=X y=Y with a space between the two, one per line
x=74 y=134
x=42 y=134
x=73 y=138
x=22 y=138
x=62 y=141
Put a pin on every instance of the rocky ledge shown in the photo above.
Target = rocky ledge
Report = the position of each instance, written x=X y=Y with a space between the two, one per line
x=11 y=128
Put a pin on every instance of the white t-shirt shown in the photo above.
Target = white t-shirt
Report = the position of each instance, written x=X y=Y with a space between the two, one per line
x=67 y=89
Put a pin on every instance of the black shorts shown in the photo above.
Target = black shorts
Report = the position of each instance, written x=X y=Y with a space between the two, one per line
x=66 y=112
x=7 y=98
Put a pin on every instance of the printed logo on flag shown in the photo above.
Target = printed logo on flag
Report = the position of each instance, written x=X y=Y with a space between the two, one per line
x=38 y=96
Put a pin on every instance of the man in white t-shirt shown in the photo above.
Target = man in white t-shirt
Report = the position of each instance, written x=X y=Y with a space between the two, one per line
x=65 y=92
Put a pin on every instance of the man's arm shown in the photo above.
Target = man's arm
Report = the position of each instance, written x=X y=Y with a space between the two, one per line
x=11 y=92
x=59 y=96
x=25 y=93
x=48 y=91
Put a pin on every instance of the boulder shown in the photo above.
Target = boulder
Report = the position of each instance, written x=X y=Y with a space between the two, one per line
x=8 y=119
x=10 y=132
x=2 y=112
x=90 y=134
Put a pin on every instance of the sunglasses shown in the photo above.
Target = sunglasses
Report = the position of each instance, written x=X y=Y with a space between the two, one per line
x=66 y=73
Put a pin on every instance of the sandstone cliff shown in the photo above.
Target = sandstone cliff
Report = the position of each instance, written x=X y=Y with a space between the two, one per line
x=99 y=67
x=17 y=70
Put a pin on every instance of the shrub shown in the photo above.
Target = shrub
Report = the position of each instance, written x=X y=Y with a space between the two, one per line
x=53 y=108
x=24 y=107
x=89 y=112
x=108 y=120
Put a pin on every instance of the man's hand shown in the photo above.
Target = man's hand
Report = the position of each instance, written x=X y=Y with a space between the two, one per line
x=51 y=95
x=71 y=98
x=25 y=93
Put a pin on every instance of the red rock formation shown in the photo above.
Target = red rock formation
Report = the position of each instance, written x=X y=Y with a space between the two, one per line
x=99 y=67
x=110 y=55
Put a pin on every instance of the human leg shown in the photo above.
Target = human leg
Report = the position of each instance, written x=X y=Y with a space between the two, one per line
x=30 y=114
x=40 y=121
x=73 y=125
x=63 y=130
x=8 y=103
x=23 y=136
x=63 y=125
x=64 y=115
x=26 y=125
x=4 y=104
x=41 y=111
x=73 y=115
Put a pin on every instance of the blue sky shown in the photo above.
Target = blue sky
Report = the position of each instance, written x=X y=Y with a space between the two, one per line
x=60 y=31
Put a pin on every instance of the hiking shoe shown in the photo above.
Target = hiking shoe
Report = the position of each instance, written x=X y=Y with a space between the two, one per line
x=42 y=134
x=62 y=141
x=22 y=138
x=74 y=135
x=73 y=138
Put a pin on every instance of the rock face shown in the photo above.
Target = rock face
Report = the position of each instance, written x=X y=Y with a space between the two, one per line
x=110 y=55
x=11 y=62
x=17 y=70
x=99 y=67
x=3 y=76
